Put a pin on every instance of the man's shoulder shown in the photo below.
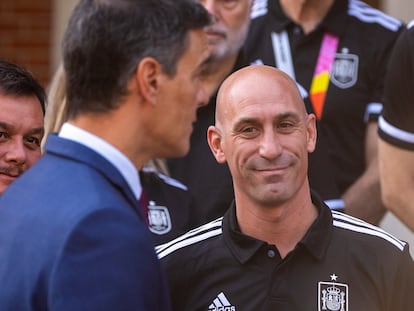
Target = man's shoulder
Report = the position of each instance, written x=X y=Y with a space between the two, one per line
x=360 y=234
x=372 y=18
x=192 y=243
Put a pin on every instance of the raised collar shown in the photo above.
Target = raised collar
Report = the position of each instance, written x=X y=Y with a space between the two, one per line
x=315 y=241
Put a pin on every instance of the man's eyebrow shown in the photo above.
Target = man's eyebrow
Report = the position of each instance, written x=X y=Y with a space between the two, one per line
x=6 y=126
x=244 y=121
x=289 y=114
x=36 y=131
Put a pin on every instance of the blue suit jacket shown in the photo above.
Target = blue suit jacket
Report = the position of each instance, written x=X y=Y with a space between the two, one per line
x=72 y=238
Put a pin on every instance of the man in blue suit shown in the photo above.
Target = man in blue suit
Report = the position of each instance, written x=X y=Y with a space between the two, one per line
x=72 y=236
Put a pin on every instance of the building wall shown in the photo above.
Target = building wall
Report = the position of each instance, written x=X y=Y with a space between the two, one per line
x=402 y=9
x=61 y=12
x=25 y=32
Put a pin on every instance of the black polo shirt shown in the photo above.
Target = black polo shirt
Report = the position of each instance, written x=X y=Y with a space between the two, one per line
x=168 y=206
x=342 y=263
x=366 y=37
x=396 y=125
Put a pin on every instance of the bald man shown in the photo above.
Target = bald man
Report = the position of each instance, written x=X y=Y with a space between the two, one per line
x=279 y=247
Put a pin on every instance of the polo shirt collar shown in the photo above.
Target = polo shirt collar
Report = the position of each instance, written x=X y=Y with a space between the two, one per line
x=242 y=246
x=315 y=241
x=279 y=18
x=335 y=20
x=317 y=238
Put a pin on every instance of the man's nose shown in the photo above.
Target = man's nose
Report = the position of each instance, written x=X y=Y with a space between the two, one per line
x=16 y=152
x=211 y=7
x=203 y=97
x=270 y=146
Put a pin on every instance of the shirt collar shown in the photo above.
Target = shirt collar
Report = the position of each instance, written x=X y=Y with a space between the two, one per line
x=106 y=150
x=315 y=241
x=335 y=20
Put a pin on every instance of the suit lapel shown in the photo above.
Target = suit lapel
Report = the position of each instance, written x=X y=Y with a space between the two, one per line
x=80 y=153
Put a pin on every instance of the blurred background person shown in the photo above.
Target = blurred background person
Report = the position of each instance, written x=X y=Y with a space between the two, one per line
x=396 y=131
x=22 y=108
x=337 y=51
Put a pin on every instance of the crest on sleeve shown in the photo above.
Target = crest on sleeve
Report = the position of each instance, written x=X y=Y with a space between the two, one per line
x=159 y=220
x=332 y=296
x=345 y=69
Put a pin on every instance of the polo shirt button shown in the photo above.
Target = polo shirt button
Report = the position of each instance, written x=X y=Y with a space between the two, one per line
x=271 y=253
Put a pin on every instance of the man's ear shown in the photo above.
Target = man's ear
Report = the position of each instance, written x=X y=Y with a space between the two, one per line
x=148 y=76
x=311 y=132
x=214 y=141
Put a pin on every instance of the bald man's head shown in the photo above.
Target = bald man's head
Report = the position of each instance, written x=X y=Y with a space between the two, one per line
x=258 y=82
x=264 y=134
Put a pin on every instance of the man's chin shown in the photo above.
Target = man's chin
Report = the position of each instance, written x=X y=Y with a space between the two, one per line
x=178 y=151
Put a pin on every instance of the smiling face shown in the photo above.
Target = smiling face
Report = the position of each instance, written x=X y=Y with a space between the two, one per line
x=231 y=23
x=264 y=134
x=21 y=131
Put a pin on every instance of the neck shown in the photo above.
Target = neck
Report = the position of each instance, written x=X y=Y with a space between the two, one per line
x=306 y=13
x=283 y=226
x=118 y=128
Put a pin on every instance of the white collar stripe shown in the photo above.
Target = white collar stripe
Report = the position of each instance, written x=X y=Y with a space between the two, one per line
x=353 y=220
x=259 y=8
x=355 y=224
x=197 y=231
x=188 y=241
x=370 y=15
x=167 y=179
x=368 y=10
x=369 y=232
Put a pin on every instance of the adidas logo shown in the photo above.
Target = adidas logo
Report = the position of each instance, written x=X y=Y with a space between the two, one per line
x=221 y=304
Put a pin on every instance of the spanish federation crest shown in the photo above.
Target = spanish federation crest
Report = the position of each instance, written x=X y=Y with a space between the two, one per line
x=344 y=72
x=159 y=221
x=332 y=296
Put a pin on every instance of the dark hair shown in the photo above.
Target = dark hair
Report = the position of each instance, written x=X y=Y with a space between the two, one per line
x=106 y=39
x=16 y=80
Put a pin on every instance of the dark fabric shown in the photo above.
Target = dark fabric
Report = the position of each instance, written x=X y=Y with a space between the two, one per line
x=217 y=266
x=169 y=206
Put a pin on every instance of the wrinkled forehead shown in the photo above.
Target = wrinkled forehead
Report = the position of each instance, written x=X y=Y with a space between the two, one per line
x=250 y=91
